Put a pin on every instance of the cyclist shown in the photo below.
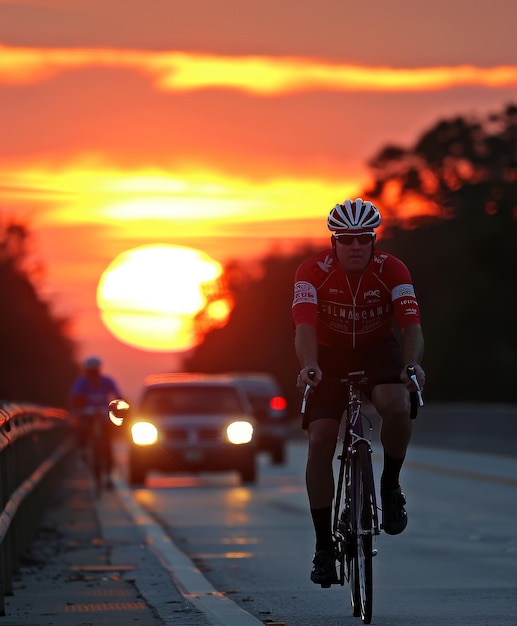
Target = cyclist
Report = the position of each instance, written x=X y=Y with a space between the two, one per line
x=90 y=396
x=345 y=301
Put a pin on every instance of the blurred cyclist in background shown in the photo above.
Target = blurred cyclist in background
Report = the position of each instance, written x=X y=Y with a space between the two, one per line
x=346 y=300
x=89 y=399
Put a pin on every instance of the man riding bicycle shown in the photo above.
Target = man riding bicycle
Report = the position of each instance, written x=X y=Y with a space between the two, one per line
x=90 y=396
x=345 y=301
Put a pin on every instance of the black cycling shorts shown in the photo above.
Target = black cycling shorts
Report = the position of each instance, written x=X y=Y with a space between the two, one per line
x=381 y=362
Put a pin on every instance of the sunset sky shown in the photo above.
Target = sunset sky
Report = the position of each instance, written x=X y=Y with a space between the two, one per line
x=224 y=126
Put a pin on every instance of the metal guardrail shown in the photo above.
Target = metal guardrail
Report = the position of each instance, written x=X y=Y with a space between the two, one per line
x=34 y=443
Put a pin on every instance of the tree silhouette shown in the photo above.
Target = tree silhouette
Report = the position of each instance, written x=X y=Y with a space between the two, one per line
x=458 y=167
x=463 y=171
x=37 y=363
x=460 y=182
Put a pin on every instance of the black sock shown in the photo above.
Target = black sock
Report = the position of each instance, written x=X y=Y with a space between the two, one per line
x=321 y=519
x=391 y=472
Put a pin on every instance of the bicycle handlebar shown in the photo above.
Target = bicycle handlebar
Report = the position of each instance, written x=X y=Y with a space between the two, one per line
x=411 y=372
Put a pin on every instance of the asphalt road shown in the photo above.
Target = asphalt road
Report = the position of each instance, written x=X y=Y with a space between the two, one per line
x=249 y=549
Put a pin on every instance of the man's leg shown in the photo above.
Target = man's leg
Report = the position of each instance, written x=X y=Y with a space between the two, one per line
x=392 y=404
x=319 y=476
x=320 y=489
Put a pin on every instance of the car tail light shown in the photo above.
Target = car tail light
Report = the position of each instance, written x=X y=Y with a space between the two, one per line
x=278 y=403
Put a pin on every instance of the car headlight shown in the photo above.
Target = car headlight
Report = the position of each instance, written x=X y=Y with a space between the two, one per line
x=144 y=433
x=239 y=432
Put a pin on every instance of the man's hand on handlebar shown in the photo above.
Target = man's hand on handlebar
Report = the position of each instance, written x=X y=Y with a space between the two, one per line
x=304 y=379
x=309 y=374
x=414 y=378
x=409 y=380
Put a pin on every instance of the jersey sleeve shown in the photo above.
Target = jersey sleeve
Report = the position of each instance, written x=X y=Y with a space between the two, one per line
x=305 y=301
x=405 y=304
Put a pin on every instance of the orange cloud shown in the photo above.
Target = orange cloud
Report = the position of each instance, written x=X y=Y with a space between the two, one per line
x=199 y=200
x=261 y=75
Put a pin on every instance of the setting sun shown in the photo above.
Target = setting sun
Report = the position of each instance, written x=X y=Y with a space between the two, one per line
x=162 y=297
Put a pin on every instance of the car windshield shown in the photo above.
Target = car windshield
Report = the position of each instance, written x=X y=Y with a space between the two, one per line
x=191 y=400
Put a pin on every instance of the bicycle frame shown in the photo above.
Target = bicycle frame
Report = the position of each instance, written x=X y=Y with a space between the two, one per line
x=98 y=447
x=351 y=433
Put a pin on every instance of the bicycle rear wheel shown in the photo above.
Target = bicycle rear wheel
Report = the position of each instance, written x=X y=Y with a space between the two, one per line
x=363 y=517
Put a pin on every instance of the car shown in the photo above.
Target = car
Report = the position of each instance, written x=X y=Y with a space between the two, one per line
x=187 y=422
x=269 y=409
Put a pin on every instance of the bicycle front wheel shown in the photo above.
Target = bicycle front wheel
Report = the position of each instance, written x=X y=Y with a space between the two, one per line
x=364 y=505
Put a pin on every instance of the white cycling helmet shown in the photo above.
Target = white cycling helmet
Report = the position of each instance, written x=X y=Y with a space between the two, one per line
x=354 y=215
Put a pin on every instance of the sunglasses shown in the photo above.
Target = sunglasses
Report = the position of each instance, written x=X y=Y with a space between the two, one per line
x=347 y=240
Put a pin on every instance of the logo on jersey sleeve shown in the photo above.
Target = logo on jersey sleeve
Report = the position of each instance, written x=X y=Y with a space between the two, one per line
x=402 y=291
x=405 y=302
x=304 y=292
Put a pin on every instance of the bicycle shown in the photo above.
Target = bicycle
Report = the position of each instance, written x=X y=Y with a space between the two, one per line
x=355 y=514
x=98 y=440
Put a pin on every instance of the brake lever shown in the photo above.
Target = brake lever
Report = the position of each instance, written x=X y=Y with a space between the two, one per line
x=411 y=372
x=311 y=374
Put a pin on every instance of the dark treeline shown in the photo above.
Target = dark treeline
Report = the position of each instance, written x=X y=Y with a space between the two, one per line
x=461 y=180
x=37 y=363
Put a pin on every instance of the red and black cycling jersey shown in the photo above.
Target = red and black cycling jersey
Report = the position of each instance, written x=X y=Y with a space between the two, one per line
x=354 y=312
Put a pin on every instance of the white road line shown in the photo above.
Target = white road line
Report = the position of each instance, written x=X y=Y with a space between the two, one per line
x=219 y=609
